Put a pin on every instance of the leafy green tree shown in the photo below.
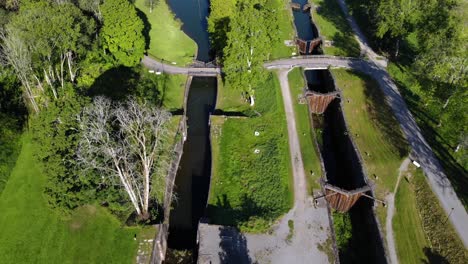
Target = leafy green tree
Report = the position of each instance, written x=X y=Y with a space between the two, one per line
x=395 y=18
x=42 y=43
x=122 y=32
x=253 y=33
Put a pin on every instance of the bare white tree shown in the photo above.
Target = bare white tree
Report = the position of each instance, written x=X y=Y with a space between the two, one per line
x=128 y=142
x=15 y=53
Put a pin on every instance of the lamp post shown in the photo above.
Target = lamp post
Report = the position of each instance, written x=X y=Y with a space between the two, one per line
x=448 y=216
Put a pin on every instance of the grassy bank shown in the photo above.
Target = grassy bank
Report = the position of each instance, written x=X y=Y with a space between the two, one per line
x=32 y=233
x=431 y=126
x=410 y=242
x=431 y=238
x=373 y=127
x=333 y=27
x=437 y=124
x=166 y=39
x=306 y=137
x=374 y=130
x=250 y=190
x=286 y=30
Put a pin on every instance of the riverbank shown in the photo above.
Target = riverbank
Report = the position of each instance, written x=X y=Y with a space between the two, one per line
x=164 y=37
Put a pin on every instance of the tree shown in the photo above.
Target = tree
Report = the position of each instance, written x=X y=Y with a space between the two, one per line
x=122 y=32
x=395 y=19
x=92 y=6
x=253 y=33
x=127 y=143
x=42 y=43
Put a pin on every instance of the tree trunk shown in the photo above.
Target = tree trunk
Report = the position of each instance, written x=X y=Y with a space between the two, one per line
x=397 y=50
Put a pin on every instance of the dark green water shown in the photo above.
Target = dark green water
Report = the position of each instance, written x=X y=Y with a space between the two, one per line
x=344 y=170
x=193 y=178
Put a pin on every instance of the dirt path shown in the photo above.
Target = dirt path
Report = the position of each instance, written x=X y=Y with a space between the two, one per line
x=311 y=226
x=307 y=242
x=391 y=211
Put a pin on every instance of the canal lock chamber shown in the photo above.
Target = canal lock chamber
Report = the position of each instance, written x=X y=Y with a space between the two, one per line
x=194 y=174
x=344 y=170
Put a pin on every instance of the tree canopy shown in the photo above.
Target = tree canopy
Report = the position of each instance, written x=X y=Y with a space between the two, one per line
x=122 y=31
x=249 y=41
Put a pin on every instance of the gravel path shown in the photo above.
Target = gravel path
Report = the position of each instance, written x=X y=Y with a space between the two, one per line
x=311 y=225
x=430 y=165
x=421 y=150
x=305 y=243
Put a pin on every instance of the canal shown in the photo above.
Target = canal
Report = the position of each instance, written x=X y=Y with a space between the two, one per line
x=193 y=177
x=340 y=158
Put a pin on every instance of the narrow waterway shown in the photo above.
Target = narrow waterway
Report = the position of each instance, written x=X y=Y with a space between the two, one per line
x=341 y=159
x=345 y=171
x=193 y=178
x=305 y=29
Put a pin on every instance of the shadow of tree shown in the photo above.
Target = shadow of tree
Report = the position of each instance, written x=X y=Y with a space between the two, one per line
x=146 y=27
x=344 y=39
x=233 y=245
x=381 y=113
x=433 y=257
x=224 y=214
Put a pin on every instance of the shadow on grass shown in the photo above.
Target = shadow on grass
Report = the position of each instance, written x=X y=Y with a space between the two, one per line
x=146 y=27
x=381 y=114
x=457 y=175
x=224 y=214
x=120 y=82
x=433 y=257
x=344 y=38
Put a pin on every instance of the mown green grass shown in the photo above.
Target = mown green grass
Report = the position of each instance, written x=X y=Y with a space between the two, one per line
x=229 y=99
x=422 y=231
x=306 y=137
x=173 y=91
x=374 y=130
x=333 y=26
x=167 y=40
x=32 y=233
x=251 y=190
x=409 y=235
x=373 y=127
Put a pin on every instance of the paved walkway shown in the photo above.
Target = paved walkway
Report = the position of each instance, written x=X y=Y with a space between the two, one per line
x=421 y=150
x=158 y=66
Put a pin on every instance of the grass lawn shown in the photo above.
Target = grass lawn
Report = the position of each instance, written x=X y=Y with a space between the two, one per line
x=375 y=131
x=173 y=91
x=333 y=26
x=251 y=190
x=167 y=41
x=422 y=232
x=308 y=149
x=32 y=233
x=373 y=127
x=229 y=99
x=409 y=235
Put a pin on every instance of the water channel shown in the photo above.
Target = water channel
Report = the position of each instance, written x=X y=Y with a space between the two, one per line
x=193 y=178
x=341 y=159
